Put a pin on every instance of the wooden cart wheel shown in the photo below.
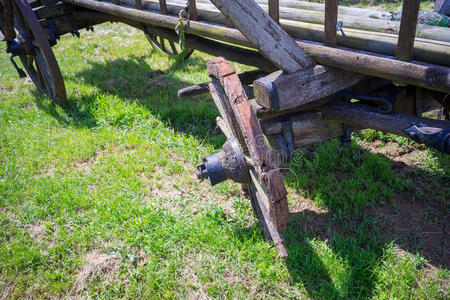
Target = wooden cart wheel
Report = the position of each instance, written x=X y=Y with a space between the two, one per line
x=238 y=120
x=34 y=51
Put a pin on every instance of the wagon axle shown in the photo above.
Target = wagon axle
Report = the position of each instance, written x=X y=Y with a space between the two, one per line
x=227 y=164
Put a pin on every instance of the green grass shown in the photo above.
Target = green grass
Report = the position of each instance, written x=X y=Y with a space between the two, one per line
x=97 y=197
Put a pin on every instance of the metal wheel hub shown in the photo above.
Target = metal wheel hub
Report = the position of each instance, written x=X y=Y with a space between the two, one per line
x=227 y=164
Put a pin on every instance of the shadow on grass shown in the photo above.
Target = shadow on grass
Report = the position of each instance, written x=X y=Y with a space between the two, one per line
x=134 y=80
x=359 y=223
x=368 y=204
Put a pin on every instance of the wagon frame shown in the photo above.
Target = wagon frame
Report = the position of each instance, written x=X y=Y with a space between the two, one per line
x=301 y=93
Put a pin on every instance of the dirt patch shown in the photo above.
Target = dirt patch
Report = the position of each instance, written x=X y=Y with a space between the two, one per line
x=97 y=265
x=190 y=276
x=115 y=83
x=37 y=231
x=417 y=226
x=176 y=190
x=154 y=83
x=400 y=155
x=86 y=164
x=154 y=73
x=6 y=88
x=309 y=219
x=6 y=290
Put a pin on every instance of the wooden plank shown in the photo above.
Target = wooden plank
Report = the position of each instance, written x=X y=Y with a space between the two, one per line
x=274 y=10
x=265 y=34
x=282 y=91
x=407 y=34
x=331 y=8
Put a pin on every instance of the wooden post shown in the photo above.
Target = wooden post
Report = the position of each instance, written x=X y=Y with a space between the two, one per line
x=274 y=10
x=163 y=6
x=331 y=9
x=139 y=4
x=405 y=44
x=193 y=10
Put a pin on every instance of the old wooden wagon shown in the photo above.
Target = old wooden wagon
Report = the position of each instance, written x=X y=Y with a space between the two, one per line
x=318 y=76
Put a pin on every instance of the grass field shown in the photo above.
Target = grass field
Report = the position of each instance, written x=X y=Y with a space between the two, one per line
x=98 y=197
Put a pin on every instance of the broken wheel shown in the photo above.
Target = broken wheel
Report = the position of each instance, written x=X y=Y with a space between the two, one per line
x=31 y=45
x=245 y=157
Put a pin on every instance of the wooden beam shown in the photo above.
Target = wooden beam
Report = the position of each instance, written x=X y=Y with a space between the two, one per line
x=281 y=91
x=331 y=8
x=274 y=10
x=193 y=14
x=307 y=127
x=265 y=34
x=366 y=116
x=407 y=34
x=418 y=74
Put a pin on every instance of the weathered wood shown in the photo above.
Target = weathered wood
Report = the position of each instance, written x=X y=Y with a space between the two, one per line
x=344 y=10
x=382 y=43
x=419 y=74
x=356 y=22
x=202 y=88
x=268 y=174
x=10 y=32
x=319 y=7
x=138 y=4
x=331 y=7
x=193 y=14
x=405 y=45
x=262 y=208
x=307 y=127
x=442 y=7
x=233 y=53
x=49 y=11
x=263 y=32
x=274 y=10
x=285 y=91
x=163 y=7
x=365 y=116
